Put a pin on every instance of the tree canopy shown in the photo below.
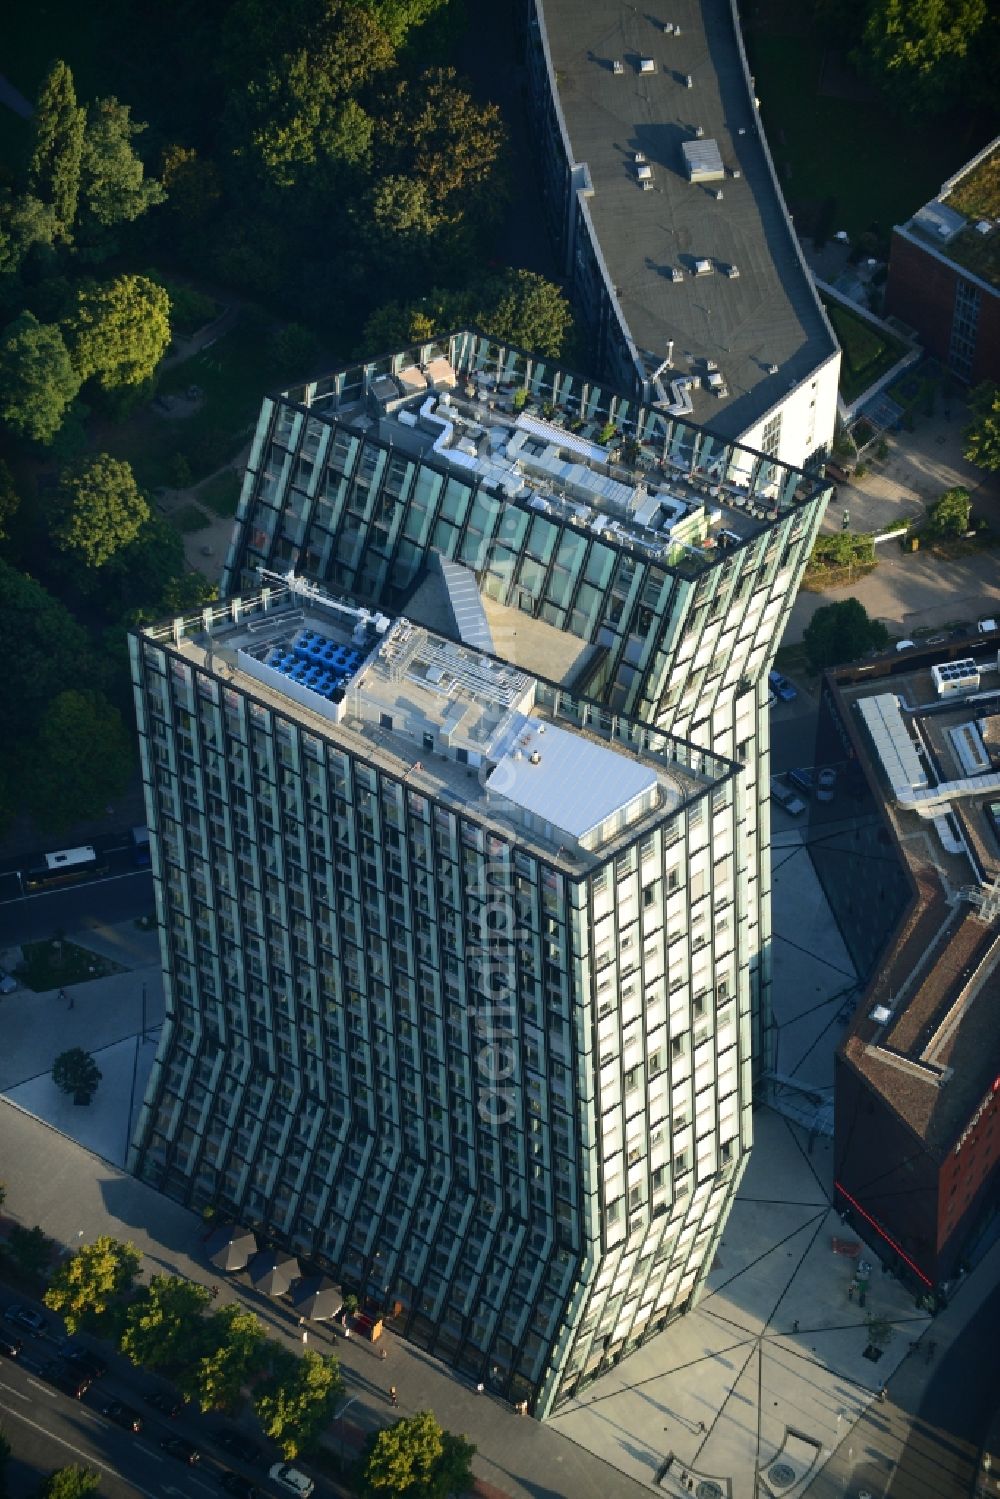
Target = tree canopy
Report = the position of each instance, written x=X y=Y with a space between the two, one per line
x=81 y=761
x=74 y=1482
x=76 y=1072
x=57 y=154
x=119 y=331
x=517 y=307
x=950 y=514
x=113 y=183
x=37 y=378
x=841 y=632
x=982 y=437
x=297 y=1401
x=920 y=49
x=416 y=1459
x=164 y=1328
x=99 y=509
x=91 y=1281
x=233 y=1341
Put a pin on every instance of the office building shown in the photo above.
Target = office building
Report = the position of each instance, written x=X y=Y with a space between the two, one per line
x=917 y=1077
x=669 y=225
x=455 y=979
x=944 y=271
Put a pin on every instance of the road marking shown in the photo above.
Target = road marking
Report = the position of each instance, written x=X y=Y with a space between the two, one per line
x=148 y=1452
x=19 y=1393
x=201 y=1485
x=129 y=874
x=44 y=1388
x=88 y=1457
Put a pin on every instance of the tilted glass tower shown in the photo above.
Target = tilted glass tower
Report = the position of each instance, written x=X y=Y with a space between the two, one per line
x=526 y=1134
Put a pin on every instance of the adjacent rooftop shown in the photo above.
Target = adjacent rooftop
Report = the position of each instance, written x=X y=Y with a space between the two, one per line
x=963 y=223
x=504 y=747
x=763 y=330
x=927 y=1033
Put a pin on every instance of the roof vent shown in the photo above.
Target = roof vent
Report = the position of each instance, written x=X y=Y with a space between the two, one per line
x=647 y=65
x=639 y=157
x=881 y=1014
x=688 y=81
x=699 y=132
x=617 y=67
x=668 y=28
x=718 y=195
x=536 y=757
x=772 y=369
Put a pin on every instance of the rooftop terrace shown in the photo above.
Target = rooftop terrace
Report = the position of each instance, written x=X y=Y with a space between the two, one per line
x=504 y=747
x=630 y=85
x=963 y=222
x=553 y=443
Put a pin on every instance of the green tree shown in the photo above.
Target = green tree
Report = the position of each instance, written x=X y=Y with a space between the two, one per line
x=523 y=308
x=25 y=222
x=949 y=515
x=297 y=1401
x=57 y=151
x=234 y=1337
x=74 y=1482
x=164 y=1326
x=9 y=500
x=982 y=437
x=432 y=131
x=841 y=632
x=92 y=1281
x=37 y=378
x=52 y=649
x=118 y=332
x=114 y=188
x=82 y=758
x=920 y=50
x=98 y=509
x=415 y=1458
x=28 y=1250
x=76 y=1072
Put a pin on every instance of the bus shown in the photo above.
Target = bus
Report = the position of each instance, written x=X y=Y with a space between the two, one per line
x=64 y=867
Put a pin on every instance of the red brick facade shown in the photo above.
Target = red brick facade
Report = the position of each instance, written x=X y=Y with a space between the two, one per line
x=921 y=292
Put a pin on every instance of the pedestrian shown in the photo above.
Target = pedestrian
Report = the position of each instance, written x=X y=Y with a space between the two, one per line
x=795 y=1325
x=393 y=1396
x=850 y=1291
x=382 y=1353
x=480 y=1387
x=882 y=1393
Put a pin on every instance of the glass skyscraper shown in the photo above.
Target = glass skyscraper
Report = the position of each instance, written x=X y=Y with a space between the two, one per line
x=527 y=1137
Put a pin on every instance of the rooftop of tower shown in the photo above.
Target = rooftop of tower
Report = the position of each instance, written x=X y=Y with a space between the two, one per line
x=554 y=443
x=572 y=782
x=697 y=244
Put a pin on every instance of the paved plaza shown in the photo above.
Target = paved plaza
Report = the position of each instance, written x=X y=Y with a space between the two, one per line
x=766 y=1377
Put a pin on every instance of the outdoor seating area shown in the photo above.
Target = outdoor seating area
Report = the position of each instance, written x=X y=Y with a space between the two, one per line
x=272 y=1272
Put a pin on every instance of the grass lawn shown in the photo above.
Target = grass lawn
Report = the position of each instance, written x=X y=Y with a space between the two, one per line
x=53 y=964
x=878 y=167
x=221 y=494
x=868 y=353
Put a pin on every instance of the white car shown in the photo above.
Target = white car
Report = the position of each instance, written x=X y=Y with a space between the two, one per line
x=987 y=626
x=291 y=1480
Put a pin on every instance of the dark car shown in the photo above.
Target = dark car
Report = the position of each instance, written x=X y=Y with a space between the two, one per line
x=67 y=1377
x=782 y=687
x=167 y=1404
x=803 y=780
x=122 y=1415
x=235 y=1483
x=238 y=1445
x=10 y=1347
x=25 y=1316
x=74 y=1352
x=182 y=1450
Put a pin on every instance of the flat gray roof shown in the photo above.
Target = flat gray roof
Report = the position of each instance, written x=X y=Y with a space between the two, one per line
x=767 y=315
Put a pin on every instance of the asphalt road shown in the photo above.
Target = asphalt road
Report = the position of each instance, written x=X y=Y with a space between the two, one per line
x=49 y=1430
x=120 y=896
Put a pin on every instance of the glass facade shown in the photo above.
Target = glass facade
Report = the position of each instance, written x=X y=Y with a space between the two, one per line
x=322 y=1067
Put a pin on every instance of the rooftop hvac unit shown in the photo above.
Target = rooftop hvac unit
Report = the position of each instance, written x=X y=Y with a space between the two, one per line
x=688 y=81
x=617 y=66
x=772 y=369
x=639 y=156
x=736 y=174
x=732 y=271
x=644 y=172
x=676 y=274
x=703 y=268
x=718 y=195
x=699 y=131
x=647 y=185
x=647 y=65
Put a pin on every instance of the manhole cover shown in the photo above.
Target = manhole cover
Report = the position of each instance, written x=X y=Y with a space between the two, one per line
x=708 y=1489
x=781 y=1475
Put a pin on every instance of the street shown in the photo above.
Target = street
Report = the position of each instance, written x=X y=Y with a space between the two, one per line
x=120 y=896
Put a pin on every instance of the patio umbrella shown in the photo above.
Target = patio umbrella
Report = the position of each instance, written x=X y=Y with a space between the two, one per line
x=273 y=1272
x=230 y=1247
x=317 y=1298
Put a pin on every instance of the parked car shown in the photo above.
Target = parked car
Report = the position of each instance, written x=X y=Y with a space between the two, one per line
x=826 y=784
x=8 y=983
x=238 y=1445
x=122 y=1415
x=786 y=798
x=25 y=1316
x=66 y=1377
x=802 y=779
x=183 y=1450
x=165 y=1402
x=292 y=1480
x=906 y=645
x=235 y=1483
x=987 y=626
x=10 y=1347
x=782 y=687
x=75 y=1353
